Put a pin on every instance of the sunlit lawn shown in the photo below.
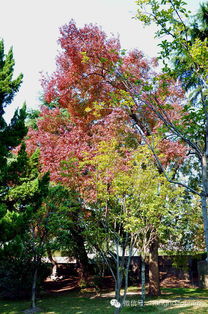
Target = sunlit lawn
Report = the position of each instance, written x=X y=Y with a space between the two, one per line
x=172 y=301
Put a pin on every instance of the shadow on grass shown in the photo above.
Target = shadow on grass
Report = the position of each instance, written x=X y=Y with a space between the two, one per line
x=185 y=293
x=13 y=307
x=157 y=309
x=76 y=303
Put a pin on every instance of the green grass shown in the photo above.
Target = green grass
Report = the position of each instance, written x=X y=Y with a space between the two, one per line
x=173 y=301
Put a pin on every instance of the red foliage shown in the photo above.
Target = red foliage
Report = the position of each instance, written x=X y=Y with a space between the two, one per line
x=58 y=139
x=172 y=151
x=92 y=73
x=82 y=70
x=61 y=140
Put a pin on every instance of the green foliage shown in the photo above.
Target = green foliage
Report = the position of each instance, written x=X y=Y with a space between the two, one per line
x=10 y=137
x=184 y=38
x=16 y=269
x=21 y=228
x=24 y=195
x=133 y=195
x=181 y=261
x=184 y=52
x=60 y=212
x=8 y=87
x=32 y=118
x=12 y=134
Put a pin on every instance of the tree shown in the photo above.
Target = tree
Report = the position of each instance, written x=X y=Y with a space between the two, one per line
x=23 y=200
x=10 y=135
x=131 y=201
x=95 y=80
x=190 y=42
x=20 y=186
x=65 y=228
x=97 y=83
x=9 y=87
x=63 y=146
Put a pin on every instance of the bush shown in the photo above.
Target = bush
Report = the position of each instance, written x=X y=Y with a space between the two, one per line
x=17 y=269
x=16 y=276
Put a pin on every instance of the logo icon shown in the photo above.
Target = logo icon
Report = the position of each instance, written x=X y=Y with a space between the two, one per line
x=115 y=303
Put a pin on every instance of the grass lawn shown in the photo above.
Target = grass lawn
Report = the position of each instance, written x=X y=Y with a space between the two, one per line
x=173 y=301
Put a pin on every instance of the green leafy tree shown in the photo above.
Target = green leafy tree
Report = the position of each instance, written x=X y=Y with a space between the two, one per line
x=11 y=134
x=21 y=187
x=27 y=189
x=132 y=201
x=65 y=203
x=184 y=52
x=63 y=209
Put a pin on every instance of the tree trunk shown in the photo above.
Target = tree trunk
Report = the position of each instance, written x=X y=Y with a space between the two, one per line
x=119 y=276
x=143 y=281
x=81 y=254
x=154 y=277
x=122 y=272
x=204 y=214
x=53 y=262
x=117 y=310
x=34 y=287
x=204 y=199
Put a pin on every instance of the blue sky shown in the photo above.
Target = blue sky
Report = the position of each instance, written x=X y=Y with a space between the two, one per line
x=32 y=28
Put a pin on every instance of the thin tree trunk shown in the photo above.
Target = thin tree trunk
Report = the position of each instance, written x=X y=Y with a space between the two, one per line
x=204 y=214
x=34 y=287
x=127 y=275
x=143 y=281
x=53 y=262
x=154 y=279
x=81 y=254
x=204 y=199
x=204 y=166
x=118 y=274
x=122 y=272
x=117 y=310
x=118 y=282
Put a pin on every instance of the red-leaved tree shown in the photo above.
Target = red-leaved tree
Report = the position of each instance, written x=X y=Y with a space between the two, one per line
x=99 y=92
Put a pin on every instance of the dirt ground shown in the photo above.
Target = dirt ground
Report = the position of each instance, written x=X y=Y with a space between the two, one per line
x=71 y=283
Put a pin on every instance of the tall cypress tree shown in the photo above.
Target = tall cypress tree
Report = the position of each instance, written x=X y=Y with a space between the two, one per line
x=11 y=134
x=22 y=190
